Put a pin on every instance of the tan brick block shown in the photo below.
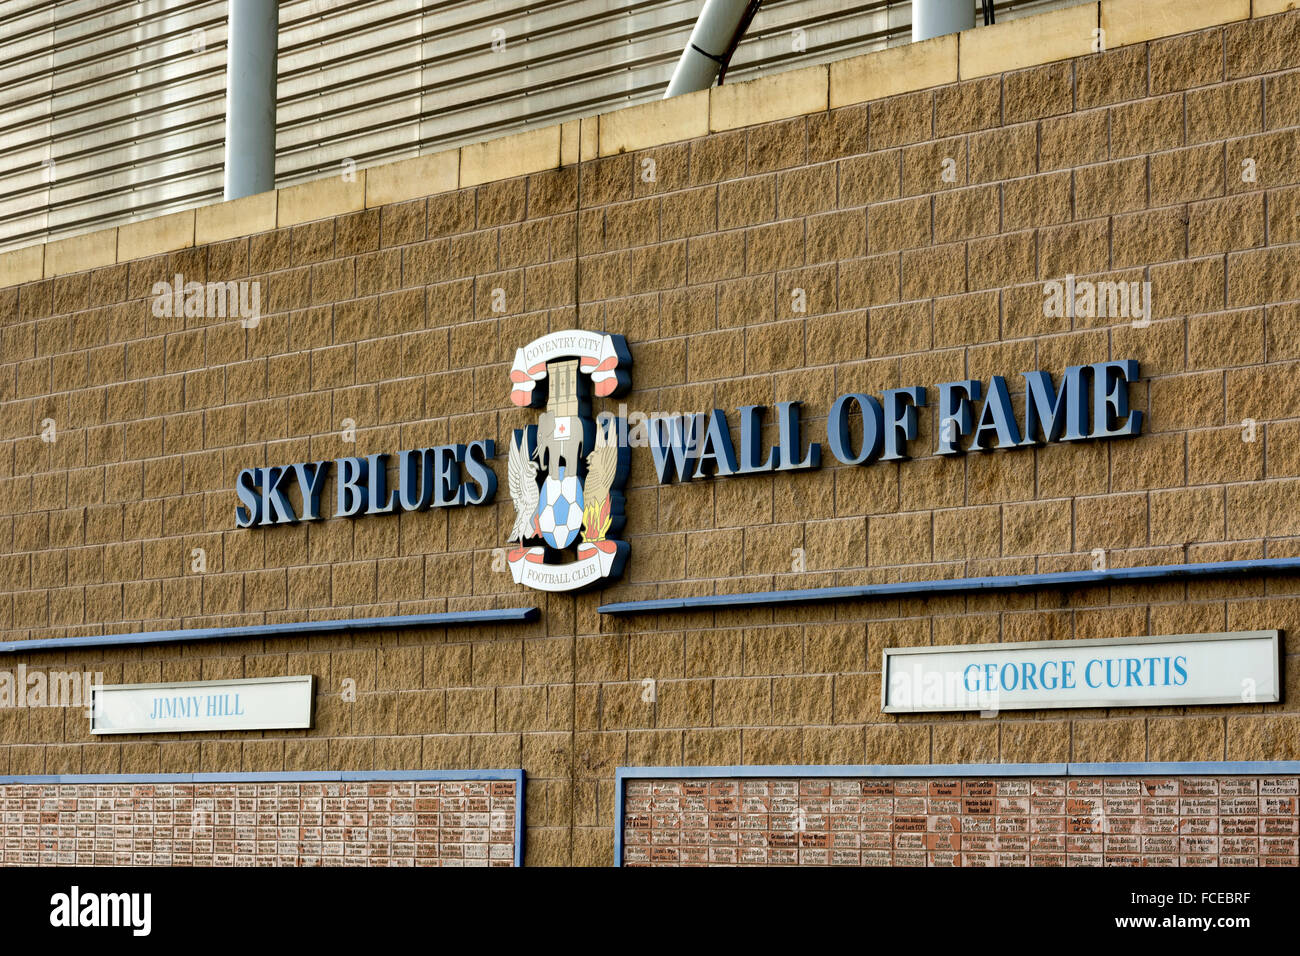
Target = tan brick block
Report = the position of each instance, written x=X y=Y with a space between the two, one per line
x=741 y=702
x=1187 y=515
x=901 y=69
x=1261 y=276
x=969 y=106
x=967 y=533
x=1183 y=288
x=1078 y=139
x=1039 y=92
x=767 y=249
x=836 y=236
x=1187 y=401
x=836 y=648
x=22 y=265
x=1222 y=112
x=961 y=319
x=1186 y=738
x=89 y=251
x=1077 y=248
x=937 y=271
x=1136 y=21
x=857 y=698
x=1284 y=332
x=1035 y=741
x=1000 y=261
x=1106 y=741
x=1225 y=339
x=803 y=192
x=1224 y=225
x=1194 y=59
x=1111 y=188
x=1027 y=42
x=993 y=477
x=966 y=213
x=150 y=237
x=1146 y=237
x=1274 y=737
x=1284 y=449
x=1036 y=527
x=1260 y=509
x=1110 y=521
x=899 y=225
x=236 y=218
x=900 y=120
x=769 y=98
x=1266 y=8
x=926 y=166
x=1003 y=153
x=801 y=701
x=1187 y=174
x=1146 y=126
x=1111 y=77
x=412 y=178
x=654 y=123
x=777 y=145
x=777 y=650
x=965 y=742
x=1220 y=455
x=320 y=199
x=685 y=703
x=1282 y=100
x=899 y=539
x=1036 y=201
x=831 y=745
x=773 y=747
x=897 y=743
x=1186 y=618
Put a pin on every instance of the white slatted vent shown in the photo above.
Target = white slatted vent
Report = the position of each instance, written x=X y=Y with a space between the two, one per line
x=113 y=110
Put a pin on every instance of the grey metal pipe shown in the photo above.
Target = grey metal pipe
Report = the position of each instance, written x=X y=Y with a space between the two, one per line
x=710 y=41
x=253 y=32
x=934 y=18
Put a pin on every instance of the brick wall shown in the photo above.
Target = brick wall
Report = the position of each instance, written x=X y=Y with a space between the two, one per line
x=390 y=823
x=916 y=821
x=1120 y=165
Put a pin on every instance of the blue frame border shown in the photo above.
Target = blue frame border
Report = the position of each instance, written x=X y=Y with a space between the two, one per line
x=992 y=584
x=192 y=635
x=304 y=776
x=1198 y=767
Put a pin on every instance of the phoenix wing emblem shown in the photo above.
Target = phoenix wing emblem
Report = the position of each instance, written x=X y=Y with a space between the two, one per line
x=602 y=466
x=523 y=490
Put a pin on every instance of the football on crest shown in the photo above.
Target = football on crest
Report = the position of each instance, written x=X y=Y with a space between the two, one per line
x=559 y=510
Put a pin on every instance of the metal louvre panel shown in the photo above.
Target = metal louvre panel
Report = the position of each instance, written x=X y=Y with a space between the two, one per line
x=132 y=115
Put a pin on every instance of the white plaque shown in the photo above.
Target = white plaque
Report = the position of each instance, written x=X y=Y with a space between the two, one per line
x=263 y=703
x=1182 y=669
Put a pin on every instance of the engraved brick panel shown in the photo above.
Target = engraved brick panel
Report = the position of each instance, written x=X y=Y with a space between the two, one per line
x=919 y=821
x=387 y=823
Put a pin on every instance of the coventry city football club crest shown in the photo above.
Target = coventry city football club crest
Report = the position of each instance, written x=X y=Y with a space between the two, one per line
x=567 y=471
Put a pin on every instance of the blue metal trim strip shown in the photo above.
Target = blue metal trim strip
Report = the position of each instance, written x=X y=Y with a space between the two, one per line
x=620 y=805
x=192 y=635
x=995 y=583
x=624 y=774
x=305 y=776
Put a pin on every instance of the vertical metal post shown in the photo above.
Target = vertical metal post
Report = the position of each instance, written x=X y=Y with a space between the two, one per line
x=252 y=38
x=934 y=18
